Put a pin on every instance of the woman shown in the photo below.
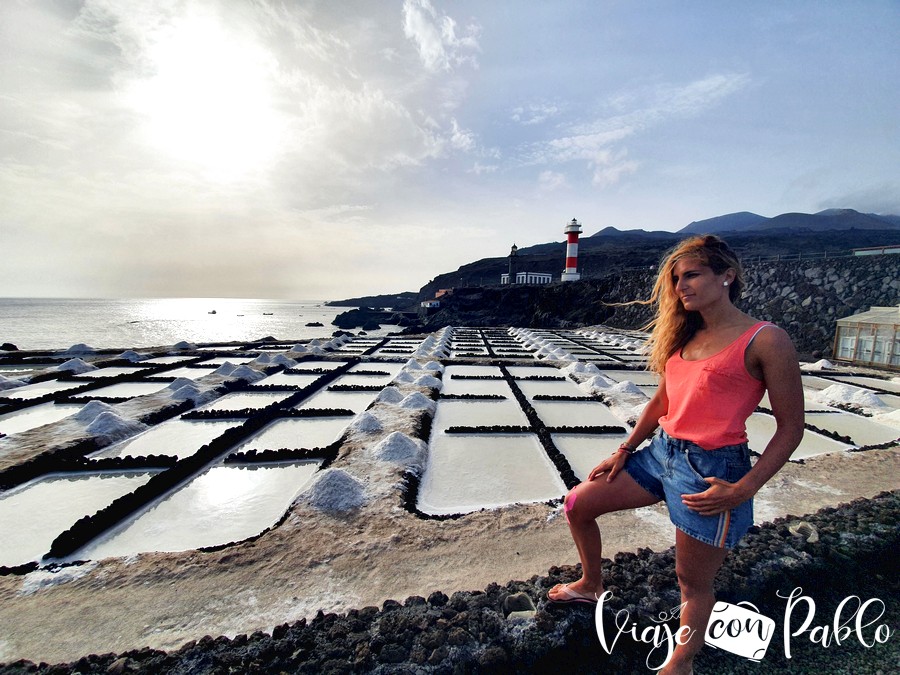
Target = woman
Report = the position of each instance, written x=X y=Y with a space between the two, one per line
x=714 y=363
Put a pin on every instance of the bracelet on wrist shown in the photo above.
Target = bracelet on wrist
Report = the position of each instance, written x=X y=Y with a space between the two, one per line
x=625 y=447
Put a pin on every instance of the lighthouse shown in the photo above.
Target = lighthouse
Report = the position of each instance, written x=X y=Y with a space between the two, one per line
x=572 y=231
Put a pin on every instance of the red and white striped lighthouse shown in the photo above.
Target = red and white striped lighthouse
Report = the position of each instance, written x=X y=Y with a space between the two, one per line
x=572 y=231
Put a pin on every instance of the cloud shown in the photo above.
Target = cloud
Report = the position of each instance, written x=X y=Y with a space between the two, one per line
x=596 y=141
x=551 y=180
x=883 y=199
x=535 y=113
x=435 y=37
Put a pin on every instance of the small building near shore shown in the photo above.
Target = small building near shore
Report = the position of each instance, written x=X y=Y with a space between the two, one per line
x=513 y=276
x=869 y=338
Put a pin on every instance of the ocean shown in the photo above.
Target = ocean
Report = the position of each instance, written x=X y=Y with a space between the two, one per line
x=36 y=324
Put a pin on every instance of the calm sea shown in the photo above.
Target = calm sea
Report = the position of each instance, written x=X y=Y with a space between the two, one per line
x=105 y=324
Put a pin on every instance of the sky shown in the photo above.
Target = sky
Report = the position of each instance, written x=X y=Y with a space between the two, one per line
x=305 y=150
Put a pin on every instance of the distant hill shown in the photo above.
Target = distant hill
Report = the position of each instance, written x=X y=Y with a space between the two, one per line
x=611 y=250
x=743 y=220
x=830 y=219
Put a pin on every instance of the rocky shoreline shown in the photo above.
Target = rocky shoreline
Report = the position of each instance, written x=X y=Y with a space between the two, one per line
x=846 y=550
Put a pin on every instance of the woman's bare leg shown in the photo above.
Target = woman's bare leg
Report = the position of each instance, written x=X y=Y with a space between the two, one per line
x=583 y=505
x=696 y=565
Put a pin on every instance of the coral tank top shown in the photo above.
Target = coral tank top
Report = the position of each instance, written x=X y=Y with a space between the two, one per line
x=710 y=399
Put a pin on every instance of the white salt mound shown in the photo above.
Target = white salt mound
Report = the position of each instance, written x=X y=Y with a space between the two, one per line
x=75 y=366
x=596 y=383
x=336 y=490
x=180 y=382
x=263 y=359
x=298 y=349
x=91 y=411
x=412 y=364
x=821 y=364
x=189 y=391
x=428 y=381
x=390 y=395
x=80 y=348
x=404 y=377
x=417 y=401
x=247 y=374
x=225 y=369
x=398 y=447
x=626 y=388
x=184 y=345
x=285 y=361
x=365 y=423
x=846 y=394
x=111 y=427
x=9 y=383
x=130 y=355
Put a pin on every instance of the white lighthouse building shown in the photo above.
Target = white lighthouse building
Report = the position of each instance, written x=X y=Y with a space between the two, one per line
x=572 y=231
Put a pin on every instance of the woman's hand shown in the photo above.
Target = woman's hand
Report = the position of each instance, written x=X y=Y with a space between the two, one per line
x=609 y=466
x=720 y=496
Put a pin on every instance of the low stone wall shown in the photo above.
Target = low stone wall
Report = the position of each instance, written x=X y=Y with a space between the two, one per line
x=805 y=297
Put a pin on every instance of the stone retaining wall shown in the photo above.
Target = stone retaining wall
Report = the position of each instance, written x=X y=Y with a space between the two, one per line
x=805 y=297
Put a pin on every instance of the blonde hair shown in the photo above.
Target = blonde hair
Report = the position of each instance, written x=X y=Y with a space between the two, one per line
x=674 y=326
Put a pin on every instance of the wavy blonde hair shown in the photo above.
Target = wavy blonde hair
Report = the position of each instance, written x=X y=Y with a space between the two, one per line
x=673 y=326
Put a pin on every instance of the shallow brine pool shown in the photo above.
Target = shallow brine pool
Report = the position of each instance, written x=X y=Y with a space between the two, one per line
x=112 y=371
x=575 y=414
x=189 y=373
x=532 y=388
x=178 y=437
x=254 y=400
x=357 y=401
x=298 y=381
x=30 y=391
x=467 y=473
x=452 y=413
x=33 y=515
x=223 y=505
x=584 y=451
x=761 y=428
x=294 y=434
x=31 y=418
x=125 y=390
x=862 y=430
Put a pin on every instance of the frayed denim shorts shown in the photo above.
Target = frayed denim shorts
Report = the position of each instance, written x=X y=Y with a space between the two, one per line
x=670 y=467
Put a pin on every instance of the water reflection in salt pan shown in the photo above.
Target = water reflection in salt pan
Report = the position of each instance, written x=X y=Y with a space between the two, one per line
x=223 y=505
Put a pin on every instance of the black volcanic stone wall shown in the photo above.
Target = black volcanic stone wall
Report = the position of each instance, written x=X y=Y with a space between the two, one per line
x=805 y=297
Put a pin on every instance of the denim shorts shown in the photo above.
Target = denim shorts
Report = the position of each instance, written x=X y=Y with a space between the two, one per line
x=670 y=467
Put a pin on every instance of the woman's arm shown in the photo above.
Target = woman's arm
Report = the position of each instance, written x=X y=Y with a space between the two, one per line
x=643 y=429
x=772 y=355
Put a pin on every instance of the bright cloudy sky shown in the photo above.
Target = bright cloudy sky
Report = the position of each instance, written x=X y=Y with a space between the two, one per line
x=314 y=149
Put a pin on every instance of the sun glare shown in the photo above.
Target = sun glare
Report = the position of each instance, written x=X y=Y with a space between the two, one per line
x=209 y=99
